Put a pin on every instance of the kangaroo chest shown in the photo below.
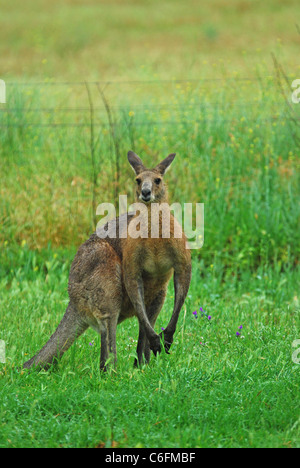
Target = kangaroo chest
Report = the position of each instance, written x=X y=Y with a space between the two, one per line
x=157 y=262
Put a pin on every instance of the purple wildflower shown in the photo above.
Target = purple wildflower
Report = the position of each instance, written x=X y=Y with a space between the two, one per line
x=238 y=334
x=209 y=317
x=240 y=327
x=163 y=329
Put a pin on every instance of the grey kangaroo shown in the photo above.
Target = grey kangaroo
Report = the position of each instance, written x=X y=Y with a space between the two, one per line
x=112 y=279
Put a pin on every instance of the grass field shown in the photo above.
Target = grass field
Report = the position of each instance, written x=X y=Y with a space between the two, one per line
x=214 y=390
x=111 y=40
x=189 y=78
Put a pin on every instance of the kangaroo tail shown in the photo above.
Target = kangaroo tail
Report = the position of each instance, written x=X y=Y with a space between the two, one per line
x=70 y=328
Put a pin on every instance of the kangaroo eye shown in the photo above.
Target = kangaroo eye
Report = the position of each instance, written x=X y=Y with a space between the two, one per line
x=138 y=181
x=157 y=181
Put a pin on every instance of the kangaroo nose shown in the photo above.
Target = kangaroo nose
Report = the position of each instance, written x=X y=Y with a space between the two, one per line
x=146 y=192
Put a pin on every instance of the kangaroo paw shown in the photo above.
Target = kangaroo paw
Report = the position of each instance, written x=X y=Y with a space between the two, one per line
x=155 y=345
x=167 y=341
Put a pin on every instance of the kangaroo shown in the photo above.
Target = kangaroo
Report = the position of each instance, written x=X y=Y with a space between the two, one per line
x=112 y=279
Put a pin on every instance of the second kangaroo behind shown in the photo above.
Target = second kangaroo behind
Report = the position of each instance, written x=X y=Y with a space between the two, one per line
x=112 y=279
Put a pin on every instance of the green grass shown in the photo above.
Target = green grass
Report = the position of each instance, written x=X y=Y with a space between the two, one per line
x=109 y=39
x=214 y=390
x=236 y=156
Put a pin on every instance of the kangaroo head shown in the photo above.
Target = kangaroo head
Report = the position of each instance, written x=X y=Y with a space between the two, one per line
x=150 y=186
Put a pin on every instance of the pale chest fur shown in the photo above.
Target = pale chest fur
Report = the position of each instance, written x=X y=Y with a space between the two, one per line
x=157 y=261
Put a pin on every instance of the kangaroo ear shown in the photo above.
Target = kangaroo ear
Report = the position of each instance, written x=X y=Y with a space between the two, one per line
x=164 y=165
x=135 y=162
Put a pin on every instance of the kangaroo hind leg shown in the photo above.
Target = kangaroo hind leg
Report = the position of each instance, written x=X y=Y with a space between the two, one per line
x=107 y=328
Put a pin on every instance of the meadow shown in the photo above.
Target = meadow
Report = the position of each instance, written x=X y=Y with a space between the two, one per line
x=231 y=379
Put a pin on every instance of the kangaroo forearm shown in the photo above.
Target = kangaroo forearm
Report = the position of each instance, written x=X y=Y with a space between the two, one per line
x=181 y=286
x=137 y=298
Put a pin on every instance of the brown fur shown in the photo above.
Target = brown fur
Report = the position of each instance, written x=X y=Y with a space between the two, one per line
x=114 y=279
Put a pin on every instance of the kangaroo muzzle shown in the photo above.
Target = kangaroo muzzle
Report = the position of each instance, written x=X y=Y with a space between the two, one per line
x=146 y=192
